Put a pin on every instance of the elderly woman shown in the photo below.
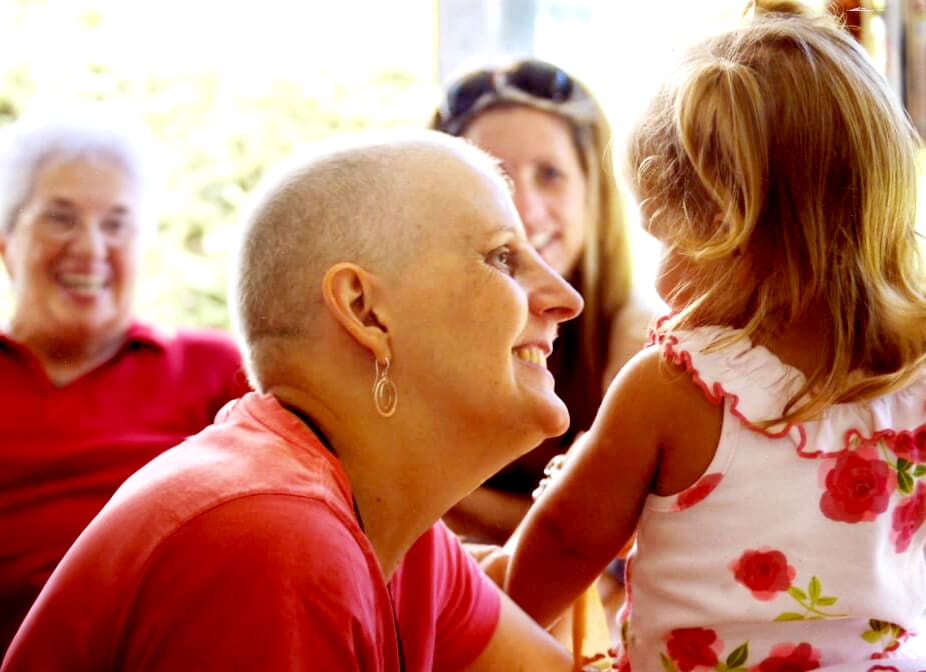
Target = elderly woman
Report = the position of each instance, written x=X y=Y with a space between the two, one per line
x=553 y=141
x=396 y=323
x=88 y=394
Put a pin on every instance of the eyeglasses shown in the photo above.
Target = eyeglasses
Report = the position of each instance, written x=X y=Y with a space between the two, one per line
x=64 y=224
x=536 y=79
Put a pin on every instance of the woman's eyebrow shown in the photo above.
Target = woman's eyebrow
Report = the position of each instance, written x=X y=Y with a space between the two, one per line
x=61 y=202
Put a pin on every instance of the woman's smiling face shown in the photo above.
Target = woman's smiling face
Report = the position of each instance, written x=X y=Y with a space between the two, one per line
x=72 y=252
x=538 y=153
x=479 y=310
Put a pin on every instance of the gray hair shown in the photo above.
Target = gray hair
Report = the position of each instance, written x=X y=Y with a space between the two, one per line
x=78 y=131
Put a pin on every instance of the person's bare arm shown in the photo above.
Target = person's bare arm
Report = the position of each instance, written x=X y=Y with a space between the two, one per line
x=519 y=644
x=487 y=515
x=656 y=432
x=586 y=515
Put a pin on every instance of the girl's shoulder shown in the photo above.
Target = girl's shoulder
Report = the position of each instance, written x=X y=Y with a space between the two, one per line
x=727 y=367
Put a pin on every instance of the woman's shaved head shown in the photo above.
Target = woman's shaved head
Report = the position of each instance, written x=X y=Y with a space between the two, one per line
x=367 y=201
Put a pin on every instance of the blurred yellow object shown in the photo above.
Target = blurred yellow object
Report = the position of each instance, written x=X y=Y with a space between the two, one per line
x=590 y=635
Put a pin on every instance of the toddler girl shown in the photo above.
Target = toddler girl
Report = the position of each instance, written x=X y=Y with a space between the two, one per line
x=770 y=448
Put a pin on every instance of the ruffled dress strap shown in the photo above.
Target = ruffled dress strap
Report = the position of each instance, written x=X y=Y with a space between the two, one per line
x=725 y=364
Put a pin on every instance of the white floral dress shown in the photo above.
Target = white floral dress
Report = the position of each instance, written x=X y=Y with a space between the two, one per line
x=801 y=547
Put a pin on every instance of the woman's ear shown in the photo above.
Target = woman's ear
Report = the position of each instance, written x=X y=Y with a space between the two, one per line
x=348 y=291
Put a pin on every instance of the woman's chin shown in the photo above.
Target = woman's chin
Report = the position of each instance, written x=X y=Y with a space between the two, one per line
x=554 y=418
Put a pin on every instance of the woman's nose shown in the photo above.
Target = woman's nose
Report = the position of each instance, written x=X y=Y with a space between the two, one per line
x=89 y=239
x=552 y=296
x=529 y=202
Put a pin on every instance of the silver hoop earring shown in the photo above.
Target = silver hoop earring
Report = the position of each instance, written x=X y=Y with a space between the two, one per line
x=385 y=394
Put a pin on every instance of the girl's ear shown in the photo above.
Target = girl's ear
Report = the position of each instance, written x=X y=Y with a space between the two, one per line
x=348 y=291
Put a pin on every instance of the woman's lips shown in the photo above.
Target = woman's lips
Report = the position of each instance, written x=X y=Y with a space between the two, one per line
x=541 y=239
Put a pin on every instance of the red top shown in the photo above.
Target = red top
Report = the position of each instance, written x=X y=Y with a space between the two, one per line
x=240 y=549
x=65 y=450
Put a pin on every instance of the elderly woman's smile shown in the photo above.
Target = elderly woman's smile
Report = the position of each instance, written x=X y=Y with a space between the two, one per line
x=73 y=251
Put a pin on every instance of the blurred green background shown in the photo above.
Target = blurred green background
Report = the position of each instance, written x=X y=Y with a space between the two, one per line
x=222 y=107
x=229 y=89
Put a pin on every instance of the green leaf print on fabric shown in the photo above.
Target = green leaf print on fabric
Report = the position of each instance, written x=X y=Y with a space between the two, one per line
x=886 y=635
x=738 y=657
x=905 y=480
x=667 y=663
x=910 y=451
x=811 y=601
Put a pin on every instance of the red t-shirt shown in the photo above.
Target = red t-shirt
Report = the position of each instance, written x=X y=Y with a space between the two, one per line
x=65 y=450
x=240 y=549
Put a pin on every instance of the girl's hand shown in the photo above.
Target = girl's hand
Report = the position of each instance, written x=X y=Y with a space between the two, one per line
x=554 y=466
x=492 y=560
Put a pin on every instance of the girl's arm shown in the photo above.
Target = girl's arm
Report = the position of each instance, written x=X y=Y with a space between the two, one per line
x=655 y=432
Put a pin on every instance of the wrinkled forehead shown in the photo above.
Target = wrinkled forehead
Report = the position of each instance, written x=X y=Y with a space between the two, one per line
x=469 y=196
x=86 y=177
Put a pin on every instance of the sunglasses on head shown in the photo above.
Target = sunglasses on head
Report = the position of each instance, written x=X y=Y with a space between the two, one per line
x=535 y=78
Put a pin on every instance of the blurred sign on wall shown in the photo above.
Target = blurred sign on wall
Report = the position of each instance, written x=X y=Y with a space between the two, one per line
x=471 y=32
x=914 y=67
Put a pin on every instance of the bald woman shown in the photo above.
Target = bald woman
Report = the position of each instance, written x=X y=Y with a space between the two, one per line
x=396 y=325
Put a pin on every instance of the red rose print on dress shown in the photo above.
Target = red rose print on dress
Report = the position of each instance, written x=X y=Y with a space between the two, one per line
x=692 y=647
x=698 y=491
x=857 y=489
x=790 y=658
x=622 y=664
x=908 y=518
x=764 y=571
x=910 y=445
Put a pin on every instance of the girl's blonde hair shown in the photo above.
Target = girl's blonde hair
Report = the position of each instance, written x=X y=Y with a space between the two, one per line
x=605 y=268
x=781 y=165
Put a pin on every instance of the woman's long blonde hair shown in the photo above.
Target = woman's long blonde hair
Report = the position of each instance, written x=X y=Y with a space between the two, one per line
x=606 y=269
x=779 y=162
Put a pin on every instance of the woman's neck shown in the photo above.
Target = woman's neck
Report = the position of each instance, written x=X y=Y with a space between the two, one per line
x=65 y=360
x=398 y=496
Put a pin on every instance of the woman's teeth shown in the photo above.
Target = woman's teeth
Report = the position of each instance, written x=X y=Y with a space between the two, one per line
x=541 y=239
x=532 y=354
x=82 y=283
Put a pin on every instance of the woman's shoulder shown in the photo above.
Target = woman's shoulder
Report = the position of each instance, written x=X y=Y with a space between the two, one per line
x=200 y=340
x=208 y=355
x=207 y=338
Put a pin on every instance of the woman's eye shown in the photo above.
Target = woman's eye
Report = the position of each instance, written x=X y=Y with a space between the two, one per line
x=503 y=258
x=60 y=219
x=550 y=174
x=114 y=227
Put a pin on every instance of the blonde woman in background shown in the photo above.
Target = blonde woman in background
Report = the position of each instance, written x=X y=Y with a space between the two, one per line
x=553 y=140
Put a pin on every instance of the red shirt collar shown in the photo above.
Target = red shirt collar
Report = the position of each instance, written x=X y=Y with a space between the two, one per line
x=145 y=334
x=138 y=333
